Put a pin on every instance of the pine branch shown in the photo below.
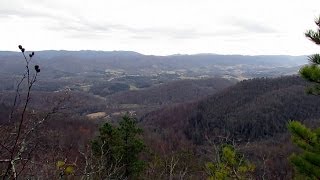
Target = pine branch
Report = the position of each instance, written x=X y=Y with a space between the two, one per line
x=314 y=59
x=317 y=21
x=313 y=36
x=311 y=73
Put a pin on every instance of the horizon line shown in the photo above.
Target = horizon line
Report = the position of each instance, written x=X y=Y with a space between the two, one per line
x=176 y=54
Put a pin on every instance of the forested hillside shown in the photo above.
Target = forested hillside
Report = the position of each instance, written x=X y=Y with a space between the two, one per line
x=172 y=92
x=250 y=110
x=252 y=114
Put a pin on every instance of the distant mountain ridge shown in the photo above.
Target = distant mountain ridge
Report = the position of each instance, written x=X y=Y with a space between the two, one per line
x=48 y=54
x=211 y=65
x=202 y=56
x=136 y=53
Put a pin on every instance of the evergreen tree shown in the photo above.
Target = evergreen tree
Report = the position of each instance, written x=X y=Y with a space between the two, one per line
x=311 y=72
x=132 y=146
x=229 y=165
x=107 y=154
x=117 y=150
x=307 y=163
x=108 y=143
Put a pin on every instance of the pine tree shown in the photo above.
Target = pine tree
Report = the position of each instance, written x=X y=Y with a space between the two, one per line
x=117 y=150
x=132 y=147
x=229 y=165
x=108 y=144
x=311 y=72
x=307 y=163
x=107 y=154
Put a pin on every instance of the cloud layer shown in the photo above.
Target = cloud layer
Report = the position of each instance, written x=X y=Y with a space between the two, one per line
x=160 y=26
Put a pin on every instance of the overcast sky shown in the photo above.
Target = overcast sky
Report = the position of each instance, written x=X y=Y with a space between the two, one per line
x=160 y=27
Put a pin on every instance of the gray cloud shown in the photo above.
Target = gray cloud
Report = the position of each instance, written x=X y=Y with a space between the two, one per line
x=77 y=27
x=250 y=26
x=86 y=27
x=141 y=37
x=24 y=13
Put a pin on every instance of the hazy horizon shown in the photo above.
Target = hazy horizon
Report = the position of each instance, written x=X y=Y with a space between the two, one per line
x=175 y=54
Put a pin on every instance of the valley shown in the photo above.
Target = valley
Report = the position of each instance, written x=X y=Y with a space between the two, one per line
x=180 y=101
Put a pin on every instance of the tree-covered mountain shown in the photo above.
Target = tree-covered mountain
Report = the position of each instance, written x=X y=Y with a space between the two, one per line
x=248 y=111
x=178 y=91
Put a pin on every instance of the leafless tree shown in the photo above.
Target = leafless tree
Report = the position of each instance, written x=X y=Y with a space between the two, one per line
x=99 y=167
x=19 y=141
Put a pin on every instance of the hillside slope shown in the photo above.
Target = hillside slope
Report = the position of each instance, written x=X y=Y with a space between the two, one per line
x=173 y=92
x=250 y=110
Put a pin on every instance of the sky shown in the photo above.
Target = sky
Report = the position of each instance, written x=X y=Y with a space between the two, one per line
x=160 y=27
